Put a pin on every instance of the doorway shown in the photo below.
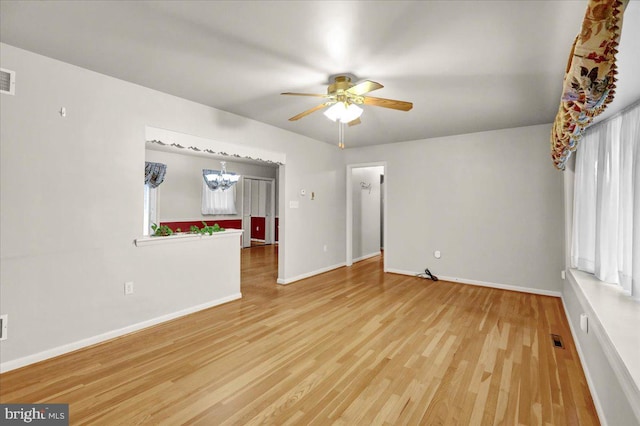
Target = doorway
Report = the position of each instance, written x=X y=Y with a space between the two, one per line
x=258 y=211
x=366 y=211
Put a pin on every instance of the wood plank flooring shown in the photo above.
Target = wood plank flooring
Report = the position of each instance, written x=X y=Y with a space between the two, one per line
x=353 y=346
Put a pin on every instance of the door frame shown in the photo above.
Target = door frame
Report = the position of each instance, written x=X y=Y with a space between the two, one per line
x=349 y=236
x=270 y=221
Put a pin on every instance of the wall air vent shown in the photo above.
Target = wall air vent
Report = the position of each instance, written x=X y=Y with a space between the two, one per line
x=7 y=82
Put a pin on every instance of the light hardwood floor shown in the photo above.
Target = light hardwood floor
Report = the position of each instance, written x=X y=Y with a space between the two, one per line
x=353 y=346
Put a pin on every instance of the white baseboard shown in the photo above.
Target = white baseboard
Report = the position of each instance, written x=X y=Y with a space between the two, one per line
x=310 y=274
x=367 y=256
x=485 y=284
x=70 y=347
x=401 y=272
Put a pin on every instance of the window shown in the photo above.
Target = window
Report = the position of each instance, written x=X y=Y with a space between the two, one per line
x=607 y=186
x=150 y=208
x=218 y=202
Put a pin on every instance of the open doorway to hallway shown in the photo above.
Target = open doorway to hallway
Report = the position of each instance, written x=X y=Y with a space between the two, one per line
x=366 y=207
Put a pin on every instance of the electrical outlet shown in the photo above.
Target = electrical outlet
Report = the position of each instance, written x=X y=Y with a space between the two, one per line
x=128 y=287
x=4 y=319
x=325 y=248
x=563 y=275
x=584 y=323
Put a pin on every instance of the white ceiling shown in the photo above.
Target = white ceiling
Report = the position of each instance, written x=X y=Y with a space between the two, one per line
x=467 y=66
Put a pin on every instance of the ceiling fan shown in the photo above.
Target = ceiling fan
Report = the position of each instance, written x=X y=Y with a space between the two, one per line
x=343 y=96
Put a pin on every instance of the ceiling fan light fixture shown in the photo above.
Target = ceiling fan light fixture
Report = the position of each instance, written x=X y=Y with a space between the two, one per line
x=343 y=112
x=334 y=112
x=352 y=112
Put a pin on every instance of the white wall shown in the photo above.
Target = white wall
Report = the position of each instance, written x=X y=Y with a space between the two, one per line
x=71 y=201
x=366 y=212
x=180 y=195
x=491 y=202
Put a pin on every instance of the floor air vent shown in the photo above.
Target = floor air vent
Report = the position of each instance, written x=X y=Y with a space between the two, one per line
x=557 y=341
x=7 y=82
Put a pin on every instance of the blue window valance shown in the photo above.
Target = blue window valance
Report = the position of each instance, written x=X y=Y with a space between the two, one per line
x=154 y=173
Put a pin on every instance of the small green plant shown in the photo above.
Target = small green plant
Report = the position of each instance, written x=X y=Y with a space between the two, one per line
x=161 y=231
x=207 y=229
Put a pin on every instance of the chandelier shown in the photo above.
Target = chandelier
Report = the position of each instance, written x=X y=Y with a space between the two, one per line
x=220 y=179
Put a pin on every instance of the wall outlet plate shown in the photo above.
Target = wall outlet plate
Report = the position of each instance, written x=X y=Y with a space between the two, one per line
x=128 y=287
x=584 y=323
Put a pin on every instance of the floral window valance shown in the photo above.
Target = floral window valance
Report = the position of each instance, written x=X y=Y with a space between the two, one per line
x=590 y=77
x=154 y=173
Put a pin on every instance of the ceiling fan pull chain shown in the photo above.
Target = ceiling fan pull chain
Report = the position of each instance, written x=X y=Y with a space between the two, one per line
x=340 y=134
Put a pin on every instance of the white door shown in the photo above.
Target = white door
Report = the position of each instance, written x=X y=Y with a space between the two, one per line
x=255 y=197
x=246 y=213
x=268 y=222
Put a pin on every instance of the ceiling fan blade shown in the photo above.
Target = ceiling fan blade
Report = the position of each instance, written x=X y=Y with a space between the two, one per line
x=388 y=103
x=317 y=95
x=309 y=111
x=354 y=122
x=364 y=87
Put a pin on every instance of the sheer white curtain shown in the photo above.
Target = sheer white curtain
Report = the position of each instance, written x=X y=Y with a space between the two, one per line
x=606 y=222
x=150 y=208
x=218 y=201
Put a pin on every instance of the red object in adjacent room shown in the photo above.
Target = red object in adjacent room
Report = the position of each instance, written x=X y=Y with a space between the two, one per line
x=257 y=228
